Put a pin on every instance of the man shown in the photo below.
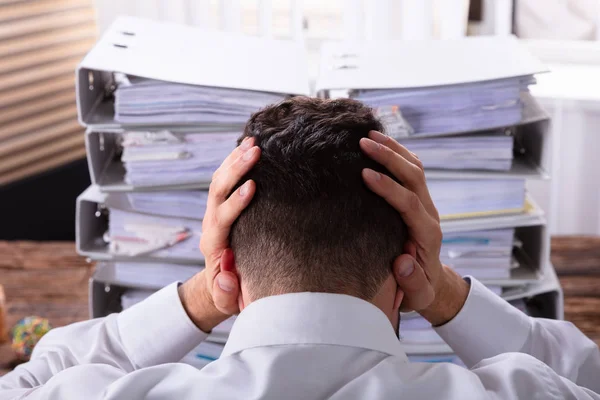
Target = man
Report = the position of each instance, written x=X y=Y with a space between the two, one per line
x=319 y=295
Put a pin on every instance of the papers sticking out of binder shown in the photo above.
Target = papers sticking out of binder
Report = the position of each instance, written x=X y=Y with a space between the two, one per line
x=501 y=257
x=473 y=152
x=165 y=158
x=140 y=101
x=454 y=108
x=533 y=215
x=456 y=199
x=133 y=235
x=481 y=254
x=111 y=227
x=183 y=204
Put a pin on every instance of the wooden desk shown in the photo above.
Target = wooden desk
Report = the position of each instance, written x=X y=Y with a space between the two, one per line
x=47 y=279
x=577 y=263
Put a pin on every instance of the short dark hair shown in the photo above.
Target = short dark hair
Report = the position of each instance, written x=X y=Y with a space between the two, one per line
x=313 y=225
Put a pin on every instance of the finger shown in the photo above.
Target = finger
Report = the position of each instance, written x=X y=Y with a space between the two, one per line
x=246 y=145
x=226 y=289
x=215 y=233
x=221 y=185
x=394 y=146
x=421 y=225
x=413 y=282
x=410 y=248
x=235 y=204
x=409 y=173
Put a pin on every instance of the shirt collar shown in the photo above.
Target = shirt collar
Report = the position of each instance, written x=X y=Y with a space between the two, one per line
x=313 y=318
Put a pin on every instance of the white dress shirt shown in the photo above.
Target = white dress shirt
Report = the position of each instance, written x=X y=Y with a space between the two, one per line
x=308 y=346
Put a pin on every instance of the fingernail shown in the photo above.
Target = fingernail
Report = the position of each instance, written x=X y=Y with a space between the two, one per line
x=249 y=154
x=225 y=283
x=372 y=175
x=371 y=145
x=406 y=268
x=245 y=144
x=378 y=137
x=244 y=189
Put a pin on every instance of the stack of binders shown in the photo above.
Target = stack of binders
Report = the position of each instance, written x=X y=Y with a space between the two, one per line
x=463 y=106
x=156 y=132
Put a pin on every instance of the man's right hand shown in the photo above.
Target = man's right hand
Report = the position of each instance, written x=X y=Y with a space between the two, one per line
x=211 y=296
x=430 y=288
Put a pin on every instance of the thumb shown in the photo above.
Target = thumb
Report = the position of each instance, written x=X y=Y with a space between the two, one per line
x=412 y=280
x=226 y=288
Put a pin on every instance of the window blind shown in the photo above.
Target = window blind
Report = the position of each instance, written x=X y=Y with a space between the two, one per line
x=41 y=43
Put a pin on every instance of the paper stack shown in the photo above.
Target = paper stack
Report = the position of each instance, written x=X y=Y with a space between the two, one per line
x=477 y=197
x=464 y=108
x=481 y=254
x=160 y=130
x=492 y=152
x=165 y=158
x=153 y=102
x=456 y=108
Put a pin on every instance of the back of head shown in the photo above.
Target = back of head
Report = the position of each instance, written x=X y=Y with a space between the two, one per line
x=313 y=225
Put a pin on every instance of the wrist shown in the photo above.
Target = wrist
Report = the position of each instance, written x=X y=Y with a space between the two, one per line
x=198 y=303
x=450 y=296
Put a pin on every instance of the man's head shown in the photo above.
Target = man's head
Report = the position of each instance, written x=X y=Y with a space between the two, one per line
x=313 y=225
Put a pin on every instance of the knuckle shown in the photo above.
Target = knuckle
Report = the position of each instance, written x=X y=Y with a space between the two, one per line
x=419 y=165
x=419 y=174
x=414 y=203
x=216 y=188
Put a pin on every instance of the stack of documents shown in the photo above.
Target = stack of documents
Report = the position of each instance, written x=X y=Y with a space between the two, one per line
x=481 y=254
x=492 y=152
x=134 y=234
x=183 y=203
x=477 y=197
x=151 y=275
x=147 y=101
x=465 y=107
x=167 y=158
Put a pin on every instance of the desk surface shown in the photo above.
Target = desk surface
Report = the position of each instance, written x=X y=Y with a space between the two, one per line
x=50 y=280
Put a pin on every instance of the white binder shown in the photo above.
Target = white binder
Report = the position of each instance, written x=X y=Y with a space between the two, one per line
x=140 y=47
x=108 y=273
x=392 y=64
x=385 y=64
x=91 y=224
x=107 y=170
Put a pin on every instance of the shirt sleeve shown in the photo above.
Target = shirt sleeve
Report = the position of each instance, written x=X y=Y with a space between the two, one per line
x=154 y=331
x=488 y=326
x=512 y=376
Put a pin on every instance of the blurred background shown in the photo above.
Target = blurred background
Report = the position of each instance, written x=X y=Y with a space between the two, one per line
x=42 y=164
